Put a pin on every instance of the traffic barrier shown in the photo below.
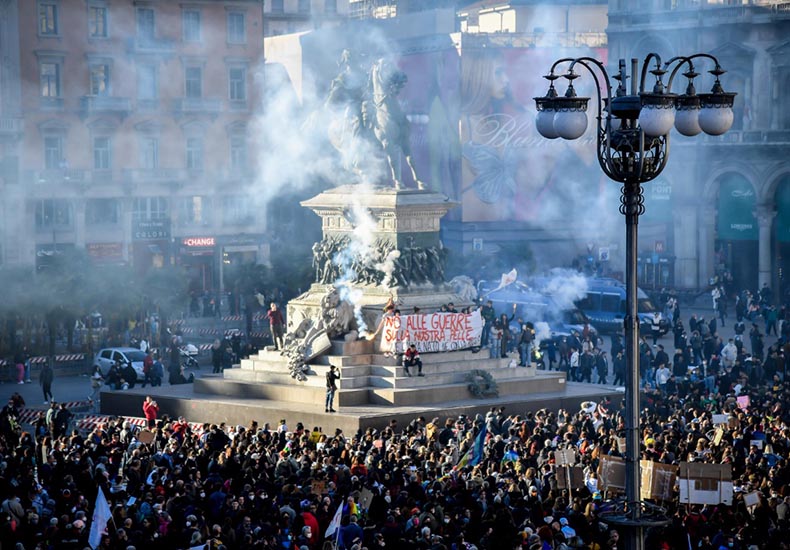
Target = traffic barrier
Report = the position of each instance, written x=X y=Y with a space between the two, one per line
x=29 y=416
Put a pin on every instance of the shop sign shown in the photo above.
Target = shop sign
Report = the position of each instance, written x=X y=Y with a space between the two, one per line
x=193 y=242
x=151 y=230
x=105 y=251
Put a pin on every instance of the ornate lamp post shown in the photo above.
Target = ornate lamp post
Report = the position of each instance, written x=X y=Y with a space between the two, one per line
x=633 y=145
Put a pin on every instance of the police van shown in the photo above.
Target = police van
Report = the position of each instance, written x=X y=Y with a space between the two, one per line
x=605 y=305
x=535 y=307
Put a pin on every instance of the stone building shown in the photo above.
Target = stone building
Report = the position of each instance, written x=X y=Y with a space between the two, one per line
x=124 y=130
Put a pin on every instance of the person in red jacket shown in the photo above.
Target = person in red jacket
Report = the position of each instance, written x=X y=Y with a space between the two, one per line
x=411 y=358
x=150 y=410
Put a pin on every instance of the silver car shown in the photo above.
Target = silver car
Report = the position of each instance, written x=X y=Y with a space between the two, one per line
x=106 y=357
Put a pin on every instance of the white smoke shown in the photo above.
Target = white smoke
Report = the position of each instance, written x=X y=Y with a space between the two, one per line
x=542 y=332
x=566 y=286
x=356 y=256
x=387 y=266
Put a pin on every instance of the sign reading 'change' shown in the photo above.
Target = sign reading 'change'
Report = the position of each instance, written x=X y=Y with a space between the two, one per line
x=431 y=332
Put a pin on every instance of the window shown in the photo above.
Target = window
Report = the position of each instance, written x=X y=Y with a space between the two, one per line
x=53 y=213
x=101 y=153
x=277 y=6
x=610 y=302
x=237 y=210
x=238 y=153
x=194 y=82
x=145 y=24
x=97 y=22
x=237 y=32
x=100 y=80
x=330 y=6
x=304 y=6
x=102 y=212
x=238 y=83
x=191 y=23
x=53 y=152
x=50 y=79
x=194 y=153
x=195 y=210
x=149 y=208
x=48 y=18
x=149 y=153
x=147 y=88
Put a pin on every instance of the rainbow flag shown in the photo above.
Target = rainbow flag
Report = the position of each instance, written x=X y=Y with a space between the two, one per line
x=474 y=455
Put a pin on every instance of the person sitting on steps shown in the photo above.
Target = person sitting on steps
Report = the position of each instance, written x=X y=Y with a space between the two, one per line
x=411 y=358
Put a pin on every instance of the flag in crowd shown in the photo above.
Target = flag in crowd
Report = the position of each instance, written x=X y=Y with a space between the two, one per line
x=101 y=515
x=334 y=525
x=510 y=456
x=474 y=455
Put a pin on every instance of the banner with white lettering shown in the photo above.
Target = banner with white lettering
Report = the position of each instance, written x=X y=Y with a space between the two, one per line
x=431 y=332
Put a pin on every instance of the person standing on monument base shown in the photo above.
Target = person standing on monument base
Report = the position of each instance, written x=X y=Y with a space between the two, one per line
x=276 y=325
x=331 y=387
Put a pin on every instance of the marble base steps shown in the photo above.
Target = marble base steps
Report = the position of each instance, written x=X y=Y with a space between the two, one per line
x=370 y=377
x=377 y=390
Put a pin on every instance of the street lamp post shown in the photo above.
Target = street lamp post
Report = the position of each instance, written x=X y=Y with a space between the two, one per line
x=632 y=148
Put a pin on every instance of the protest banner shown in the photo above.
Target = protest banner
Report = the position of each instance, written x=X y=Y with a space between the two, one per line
x=702 y=483
x=431 y=332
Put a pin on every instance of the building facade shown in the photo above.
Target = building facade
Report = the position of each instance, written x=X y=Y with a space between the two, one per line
x=136 y=144
x=293 y=16
x=730 y=195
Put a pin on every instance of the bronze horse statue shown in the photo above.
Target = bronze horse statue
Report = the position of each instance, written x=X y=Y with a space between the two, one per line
x=390 y=125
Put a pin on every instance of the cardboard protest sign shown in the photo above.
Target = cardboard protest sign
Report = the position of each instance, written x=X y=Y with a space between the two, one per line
x=318 y=487
x=705 y=483
x=720 y=419
x=751 y=499
x=145 y=437
x=574 y=474
x=431 y=332
x=364 y=498
x=611 y=473
x=658 y=480
x=565 y=457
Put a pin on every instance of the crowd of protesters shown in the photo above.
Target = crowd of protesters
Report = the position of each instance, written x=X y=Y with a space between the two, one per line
x=421 y=485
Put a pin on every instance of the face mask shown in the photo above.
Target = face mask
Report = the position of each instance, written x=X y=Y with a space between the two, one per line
x=202 y=495
x=388 y=499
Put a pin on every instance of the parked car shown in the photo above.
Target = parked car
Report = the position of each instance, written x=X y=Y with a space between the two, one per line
x=106 y=357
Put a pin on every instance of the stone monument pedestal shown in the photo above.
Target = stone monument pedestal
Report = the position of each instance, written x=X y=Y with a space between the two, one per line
x=407 y=221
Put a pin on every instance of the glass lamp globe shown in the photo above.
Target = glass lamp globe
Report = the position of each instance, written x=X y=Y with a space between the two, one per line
x=715 y=121
x=544 y=123
x=656 y=122
x=570 y=124
x=687 y=122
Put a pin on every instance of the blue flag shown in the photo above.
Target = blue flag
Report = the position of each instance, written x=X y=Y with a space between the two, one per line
x=474 y=455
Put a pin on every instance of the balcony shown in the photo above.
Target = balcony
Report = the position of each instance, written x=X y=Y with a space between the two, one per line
x=196 y=106
x=58 y=177
x=149 y=45
x=12 y=127
x=154 y=176
x=95 y=104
